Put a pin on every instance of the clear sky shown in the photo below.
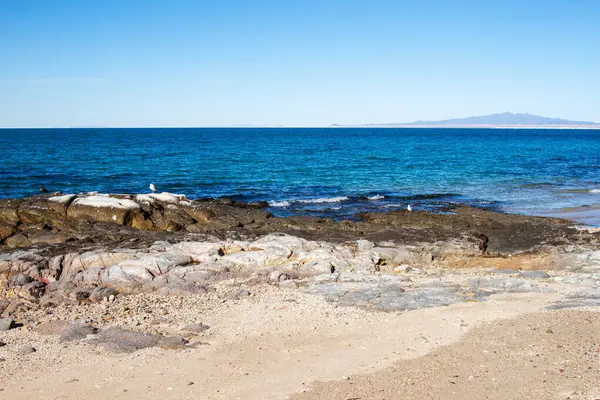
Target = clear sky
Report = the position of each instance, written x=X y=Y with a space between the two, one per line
x=294 y=62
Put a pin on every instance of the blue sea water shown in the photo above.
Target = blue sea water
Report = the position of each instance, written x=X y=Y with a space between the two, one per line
x=322 y=171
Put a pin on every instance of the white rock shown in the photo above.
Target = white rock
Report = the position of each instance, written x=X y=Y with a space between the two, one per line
x=164 y=197
x=65 y=199
x=103 y=201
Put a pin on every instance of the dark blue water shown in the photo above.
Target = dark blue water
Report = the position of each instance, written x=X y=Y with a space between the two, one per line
x=321 y=171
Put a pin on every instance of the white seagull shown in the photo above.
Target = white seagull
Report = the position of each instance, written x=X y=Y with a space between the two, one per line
x=409 y=208
x=152 y=187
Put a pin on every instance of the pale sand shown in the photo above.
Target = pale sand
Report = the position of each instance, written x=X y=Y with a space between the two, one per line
x=552 y=355
x=279 y=342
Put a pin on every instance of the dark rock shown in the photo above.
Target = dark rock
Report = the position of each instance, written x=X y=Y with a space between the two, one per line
x=125 y=341
x=2 y=344
x=258 y=204
x=226 y=201
x=81 y=295
x=77 y=331
x=200 y=214
x=178 y=216
x=68 y=331
x=7 y=324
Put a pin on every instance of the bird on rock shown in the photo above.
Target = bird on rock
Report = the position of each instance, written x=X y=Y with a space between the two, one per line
x=152 y=187
x=409 y=208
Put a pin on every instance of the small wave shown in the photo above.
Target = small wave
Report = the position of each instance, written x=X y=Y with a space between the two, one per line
x=376 y=197
x=595 y=191
x=324 y=200
x=279 y=203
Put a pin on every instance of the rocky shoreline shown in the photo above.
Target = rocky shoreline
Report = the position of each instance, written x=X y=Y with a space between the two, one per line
x=115 y=270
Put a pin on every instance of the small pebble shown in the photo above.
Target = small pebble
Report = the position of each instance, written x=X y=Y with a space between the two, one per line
x=27 y=349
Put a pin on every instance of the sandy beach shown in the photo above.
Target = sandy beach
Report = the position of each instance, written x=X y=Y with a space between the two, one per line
x=238 y=304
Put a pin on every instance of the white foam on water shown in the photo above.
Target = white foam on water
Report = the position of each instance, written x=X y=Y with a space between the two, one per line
x=324 y=200
x=279 y=203
x=595 y=191
x=376 y=197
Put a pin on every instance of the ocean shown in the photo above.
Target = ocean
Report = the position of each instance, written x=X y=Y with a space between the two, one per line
x=333 y=172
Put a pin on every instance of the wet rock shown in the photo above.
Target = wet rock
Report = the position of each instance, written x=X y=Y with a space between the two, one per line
x=226 y=201
x=7 y=324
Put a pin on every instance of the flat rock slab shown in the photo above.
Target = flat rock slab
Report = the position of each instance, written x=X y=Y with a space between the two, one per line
x=584 y=298
x=505 y=285
x=386 y=296
x=68 y=331
x=121 y=340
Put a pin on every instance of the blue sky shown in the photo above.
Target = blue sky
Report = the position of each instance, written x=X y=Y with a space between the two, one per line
x=298 y=63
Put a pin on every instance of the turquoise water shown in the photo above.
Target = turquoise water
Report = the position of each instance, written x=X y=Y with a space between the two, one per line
x=334 y=172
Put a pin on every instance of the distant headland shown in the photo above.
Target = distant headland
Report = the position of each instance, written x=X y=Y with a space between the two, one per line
x=503 y=120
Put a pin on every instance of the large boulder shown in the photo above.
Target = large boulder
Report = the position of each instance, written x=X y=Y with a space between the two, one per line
x=104 y=209
x=73 y=264
x=6 y=231
x=39 y=210
x=18 y=240
x=9 y=211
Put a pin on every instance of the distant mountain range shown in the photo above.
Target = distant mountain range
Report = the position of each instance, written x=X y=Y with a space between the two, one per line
x=506 y=119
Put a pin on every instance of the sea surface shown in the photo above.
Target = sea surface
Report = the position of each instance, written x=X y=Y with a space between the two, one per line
x=334 y=172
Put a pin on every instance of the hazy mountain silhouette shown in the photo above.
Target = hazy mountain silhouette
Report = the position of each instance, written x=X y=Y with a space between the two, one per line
x=504 y=119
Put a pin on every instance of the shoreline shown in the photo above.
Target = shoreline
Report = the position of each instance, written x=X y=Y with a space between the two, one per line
x=157 y=295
